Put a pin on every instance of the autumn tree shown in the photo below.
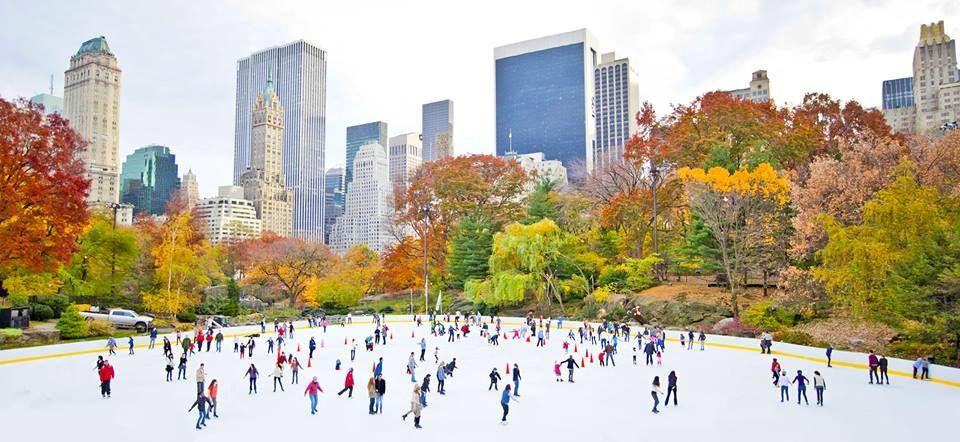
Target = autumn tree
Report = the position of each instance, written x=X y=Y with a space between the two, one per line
x=43 y=208
x=103 y=261
x=287 y=264
x=743 y=211
x=346 y=280
x=828 y=123
x=183 y=266
x=401 y=267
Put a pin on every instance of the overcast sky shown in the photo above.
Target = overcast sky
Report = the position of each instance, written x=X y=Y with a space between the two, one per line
x=386 y=58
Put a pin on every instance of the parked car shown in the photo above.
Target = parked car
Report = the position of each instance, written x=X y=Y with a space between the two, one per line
x=121 y=318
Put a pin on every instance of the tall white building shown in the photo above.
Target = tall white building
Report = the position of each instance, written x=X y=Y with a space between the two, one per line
x=189 y=189
x=930 y=100
x=299 y=70
x=228 y=217
x=437 y=130
x=369 y=204
x=91 y=101
x=617 y=102
x=758 y=91
x=405 y=158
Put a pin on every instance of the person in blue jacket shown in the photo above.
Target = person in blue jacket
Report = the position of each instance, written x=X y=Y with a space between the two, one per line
x=441 y=377
x=423 y=348
x=379 y=368
x=505 y=402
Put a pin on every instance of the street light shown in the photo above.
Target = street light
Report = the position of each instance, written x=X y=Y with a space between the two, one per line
x=426 y=211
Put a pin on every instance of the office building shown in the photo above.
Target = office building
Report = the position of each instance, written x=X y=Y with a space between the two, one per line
x=369 y=207
x=91 y=101
x=758 y=91
x=299 y=71
x=263 y=182
x=437 y=130
x=189 y=189
x=228 y=217
x=148 y=179
x=617 y=102
x=52 y=104
x=929 y=101
x=538 y=169
x=334 y=199
x=544 y=98
x=375 y=132
x=405 y=158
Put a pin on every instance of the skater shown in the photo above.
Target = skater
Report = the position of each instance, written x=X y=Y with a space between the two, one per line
x=540 y=341
x=425 y=386
x=775 y=368
x=494 y=377
x=312 y=389
x=829 y=355
x=169 y=367
x=372 y=392
x=201 y=405
x=656 y=392
x=702 y=338
x=112 y=346
x=381 y=390
x=153 y=338
x=295 y=371
x=505 y=403
x=784 y=383
x=277 y=377
x=348 y=384
x=671 y=388
x=236 y=344
x=516 y=380
x=648 y=351
x=441 y=377
x=182 y=367
x=201 y=378
x=690 y=340
x=219 y=340
x=917 y=367
x=874 y=364
x=252 y=373
x=423 y=348
x=801 y=382
x=106 y=375
x=411 y=368
x=270 y=345
x=416 y=406
x=130 y=344
x=570 y=365
x=819 y=385
x=556 y=372
x=882 y=364
x=212 y=394
x=312 y=346
x=378 y=369
x=925 y=368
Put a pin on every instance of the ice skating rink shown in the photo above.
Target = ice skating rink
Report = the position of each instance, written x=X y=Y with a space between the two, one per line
x=725 y=393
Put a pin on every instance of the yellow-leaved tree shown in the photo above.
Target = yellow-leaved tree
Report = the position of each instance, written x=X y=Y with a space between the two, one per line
x=182 y=262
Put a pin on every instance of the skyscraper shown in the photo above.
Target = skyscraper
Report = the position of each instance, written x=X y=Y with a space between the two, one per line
x=263 y=182
x=299 y=70
x=617 y=102
x=375 y=132
x=405 y=159
x=91 y=101
x=148 y=178
x=369 y=209
x=758 y=91
x=334 y=198
x=189 y=189
x=228 y=217
x=544 y=98
x=437 y=129
x=929 y=100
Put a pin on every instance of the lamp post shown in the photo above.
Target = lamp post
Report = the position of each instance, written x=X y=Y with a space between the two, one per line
x=426 y=212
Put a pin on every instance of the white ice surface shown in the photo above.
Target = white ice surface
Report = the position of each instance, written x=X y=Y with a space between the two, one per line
x=724 y=395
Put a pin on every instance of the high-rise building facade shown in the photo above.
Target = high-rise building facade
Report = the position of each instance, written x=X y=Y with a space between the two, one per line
x=148 y=179
x=758 y=91
x=375 y=132
x=544 y=98
x=437 y=129
x=334 y=198
x=91 y=101
x=540 y=169
x=263 y=182
x=930 y=100
x=617 y=102
x=406 y=155
x=189 y=189
x=299 y=70
x=52 y=104
x=228 y=217
x=369 y=209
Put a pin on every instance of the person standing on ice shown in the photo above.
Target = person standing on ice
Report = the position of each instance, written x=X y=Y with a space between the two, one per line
x=690 y=340
x=703 y=338
x=106 y=375
x=295 y=371
x=671 y=388
x=348 y=384
x=874 y=362
x=372 y=393
x=212 y=392
x=277 y=377
x=378 y=369
x=883 y=364
x=801 y=382
x=784 y=383
x=312 y=345
x=130 y=344
x=182 y=367
x=112 y=346
x=201 y=405
x=312 y=389
x=201 y=378
x=169 y=367
x=648 y=352
x=441 y=377
x=505 y=403
x=516 y=380
x=381 y=391
x=829 y=355
x=655 y=391
x=570 y=365
x=494 y=377
x=819 y=385
x=775 y=368
x=412 y=367
x=416 y=406
x=423 y=349
x=425 y=386
x=556 y=372
x=219 y=340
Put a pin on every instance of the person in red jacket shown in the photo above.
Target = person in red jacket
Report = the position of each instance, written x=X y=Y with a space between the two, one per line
x=775 y=368
x=348 y=384
x=312 y=389
x=106 y=375
x=874 y=363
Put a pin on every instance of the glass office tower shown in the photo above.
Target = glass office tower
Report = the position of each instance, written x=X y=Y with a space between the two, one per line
x=148 y=178
x=375 y=132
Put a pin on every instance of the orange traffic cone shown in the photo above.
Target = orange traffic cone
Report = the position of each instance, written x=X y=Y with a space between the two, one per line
x=528 y=339
x=574 y=348
x=391 y=336
x=504 y=336
x=298 y=347
x=508 y=368
x=591 y=359
x=309 y=362
x=582 y=362
x=344 y=341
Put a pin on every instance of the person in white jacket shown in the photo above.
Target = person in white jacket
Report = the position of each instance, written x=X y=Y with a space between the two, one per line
x=819 y=385
x=277 y=377
x=784 y=383
x=655 y=391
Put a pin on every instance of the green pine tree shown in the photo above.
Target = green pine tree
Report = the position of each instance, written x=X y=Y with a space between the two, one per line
x=471 y=246
x=72 y=324
x=541 y=203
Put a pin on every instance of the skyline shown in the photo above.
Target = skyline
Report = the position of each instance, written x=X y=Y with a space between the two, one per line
x=179 y=69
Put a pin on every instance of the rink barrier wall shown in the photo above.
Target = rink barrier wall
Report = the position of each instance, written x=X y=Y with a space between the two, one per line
x=943 y=375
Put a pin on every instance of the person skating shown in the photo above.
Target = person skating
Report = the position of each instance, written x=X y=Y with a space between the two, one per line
x=874 y=363
x=925 y=368
x=169 y=367
x=378 y=369
x=671 y=388
x=201 y=378
x=655 y=392
x=516 y=380
x=416 y=406
x=801 y=382
x=916 y=366
x=441 y=377
x=775 y=368
x=219 y=340
x=882 y=365
x=425 y=386
x=295 y=371
x=312 y=346
x=703 y=339
x=505 y=403
x=784 y=383
x=112 y=346
x=648 y=350
x=130 y=344
x=381 y=391
x=106 y=375
x=819 y=385
x=253 y=374
x=556 y=372
x=182 y=367
x=347 y=384
x=277 y=377
x=411 y=368
x=570 y=365
x=423 y=349
x=829 y=355
x=153 y=338
x=312 y=389
x=212 y=392
x=372 y=392
x=494 y=377
x=201 y=405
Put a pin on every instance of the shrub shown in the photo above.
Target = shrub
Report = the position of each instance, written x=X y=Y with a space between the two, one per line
x=589 y=310
x=100 y=327
x=799 y=338
x=616 y=313
x=11 y=332
x=761 y=315
x=601 y=294
x=41 y=312
x=58 y=303
x=388 y=309
x=187 y=316
x=72 y=324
